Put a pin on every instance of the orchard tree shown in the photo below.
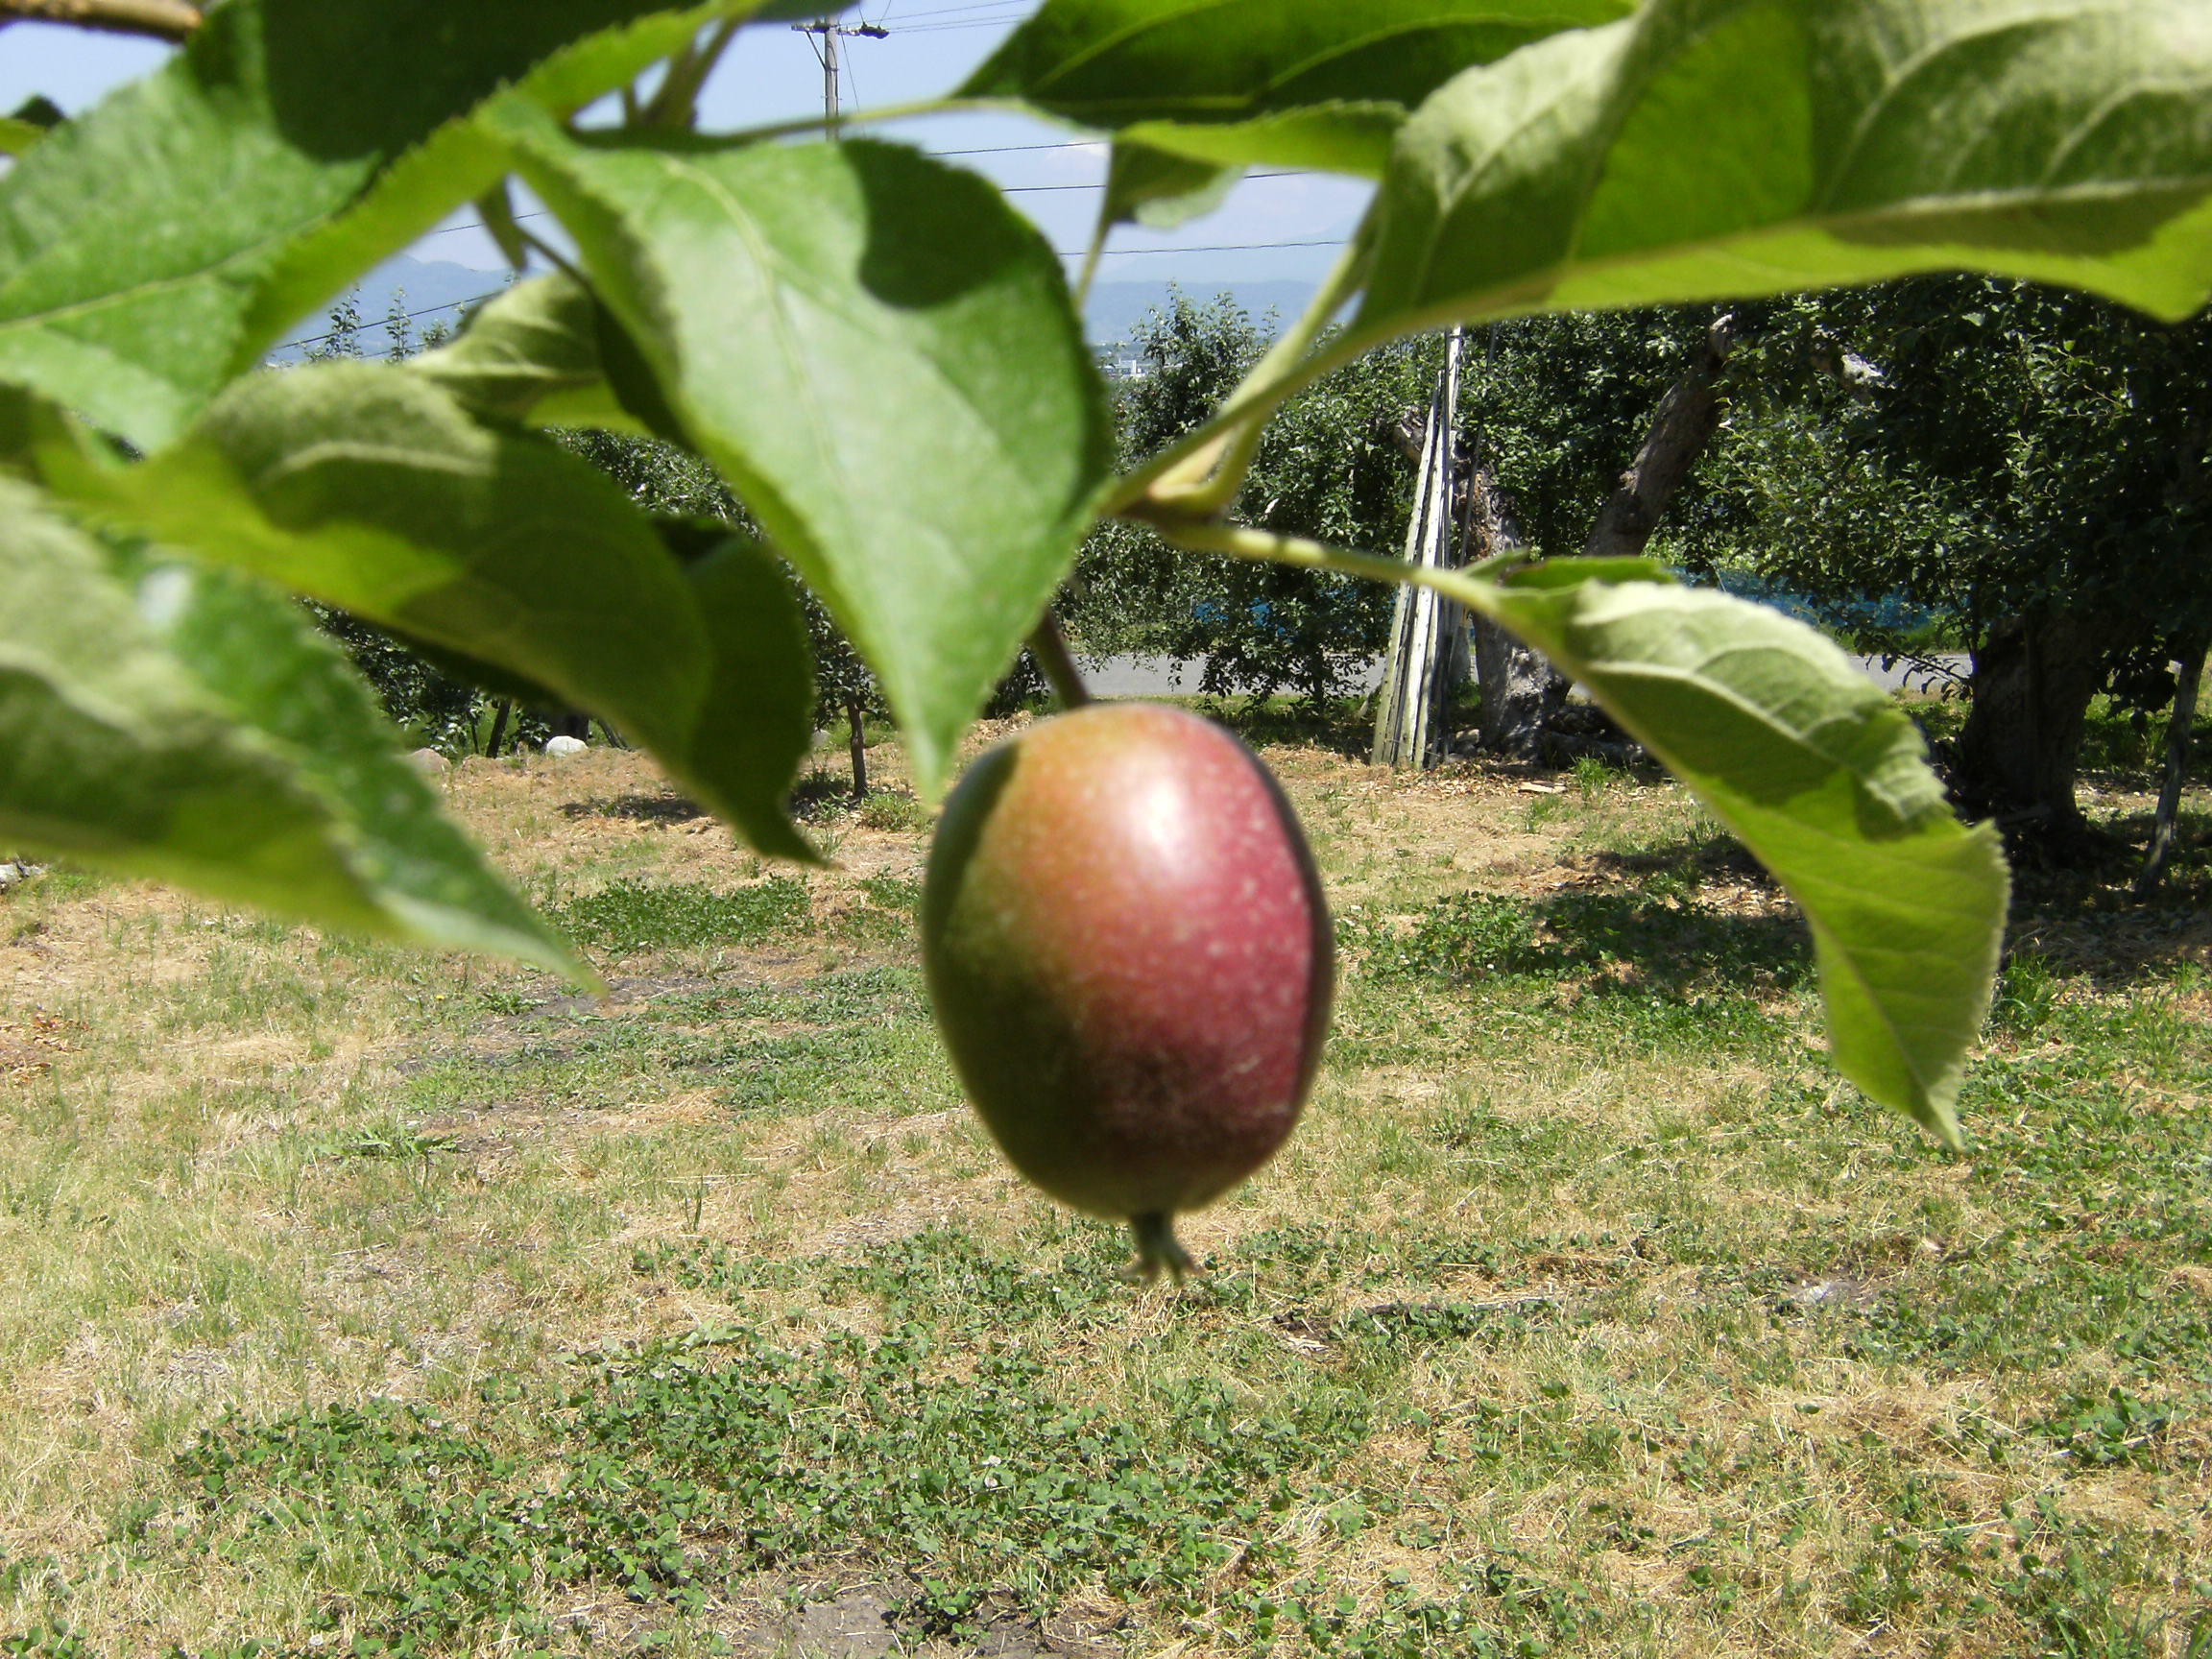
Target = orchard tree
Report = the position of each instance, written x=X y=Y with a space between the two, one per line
x=2028 y=464
x=1578 y=432
x=1325 y=470
x=886 y=362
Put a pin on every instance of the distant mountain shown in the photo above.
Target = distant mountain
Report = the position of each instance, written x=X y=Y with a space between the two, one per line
x=440 y=290
x=1115 y=308
x=435 y=290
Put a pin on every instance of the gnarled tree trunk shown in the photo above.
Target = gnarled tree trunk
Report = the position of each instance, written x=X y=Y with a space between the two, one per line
x=1681 y=427
x=2034 y=677
x=1521 y=691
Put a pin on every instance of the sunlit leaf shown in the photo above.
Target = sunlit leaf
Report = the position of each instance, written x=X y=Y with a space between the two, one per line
x=1294 y=82
x=156 y=246
x=532 y=355
x=1160 y=188
x=193 y=724
x=1827 y=781
x=1719 y=148
x=882 y=359
x=369 y=488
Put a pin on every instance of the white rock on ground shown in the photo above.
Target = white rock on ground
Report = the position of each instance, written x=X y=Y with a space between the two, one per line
x=430 y=763
x=560 y=748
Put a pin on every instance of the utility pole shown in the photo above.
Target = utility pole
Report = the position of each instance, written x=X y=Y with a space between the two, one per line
x=829 y=31
x=1413 y=715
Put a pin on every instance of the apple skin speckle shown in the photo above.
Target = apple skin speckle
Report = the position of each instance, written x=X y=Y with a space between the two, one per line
x=1130 y=959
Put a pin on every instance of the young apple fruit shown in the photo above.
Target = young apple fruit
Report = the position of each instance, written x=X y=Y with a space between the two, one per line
x=1131 y=960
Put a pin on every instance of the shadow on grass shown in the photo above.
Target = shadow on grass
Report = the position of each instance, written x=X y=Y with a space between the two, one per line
x=2084 y=920
x=1655 y=943
x=1690 y=861
x=2081 y=922
x=638 y=808
x=1339 y=724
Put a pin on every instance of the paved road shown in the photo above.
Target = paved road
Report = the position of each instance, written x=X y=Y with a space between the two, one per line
x=1161 y=677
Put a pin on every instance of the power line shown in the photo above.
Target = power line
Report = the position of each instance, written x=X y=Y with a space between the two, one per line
x=1007 y=149
x=1020 y=189
x=1214 y=247
x=948 y=28
x=1004 y=189
x=1061 y=252
x=953 y=11
x=997 y=19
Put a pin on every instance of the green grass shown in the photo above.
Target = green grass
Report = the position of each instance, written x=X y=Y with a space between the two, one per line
x=355 y=1302
x=629 y=916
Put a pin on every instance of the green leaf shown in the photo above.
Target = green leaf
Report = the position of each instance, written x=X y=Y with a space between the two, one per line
x=532 y=355
x=882 y=359
x=1717 y=147
x=34 y=118
x=1160 y=188
x=762 y=678
x=368 y=486
x=1295 y=82
x=156 y=245
x=1108 y=62
x=1334 y=138
x=194 y=726
x=1827 y=781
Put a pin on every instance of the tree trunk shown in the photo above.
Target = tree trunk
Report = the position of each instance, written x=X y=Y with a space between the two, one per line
x=1521 y=691
x=2177 y=730
x=1681 y=427
x=499 y=728
x=860 y=747
x=2034 y=677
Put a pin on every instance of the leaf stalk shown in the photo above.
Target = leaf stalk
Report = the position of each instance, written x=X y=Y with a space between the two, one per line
x=676 y=104
x=1240 y=542
x=1205 y=479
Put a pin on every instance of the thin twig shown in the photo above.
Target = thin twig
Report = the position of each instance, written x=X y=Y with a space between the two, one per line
x=1049 y=646
x=553 y=256
x=1091 y=258
x=163 y=19
x=1251 y=403
x=677 y=103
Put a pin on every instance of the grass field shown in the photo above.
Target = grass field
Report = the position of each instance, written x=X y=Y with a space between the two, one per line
x=355 y=1301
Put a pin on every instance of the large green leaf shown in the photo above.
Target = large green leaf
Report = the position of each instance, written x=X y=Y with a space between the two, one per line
x=155 y=247
x=371 y=489
x=193 y=724
x=882 y=359
x=1715 y=148
x=1827 y=781
x=1339 y=138
x=1296 y=82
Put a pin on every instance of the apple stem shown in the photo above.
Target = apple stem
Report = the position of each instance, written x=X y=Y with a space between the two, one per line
x=1158 y=1247
x=1049 y=646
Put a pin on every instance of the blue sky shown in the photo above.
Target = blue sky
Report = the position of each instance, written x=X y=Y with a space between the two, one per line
x=773 y=74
